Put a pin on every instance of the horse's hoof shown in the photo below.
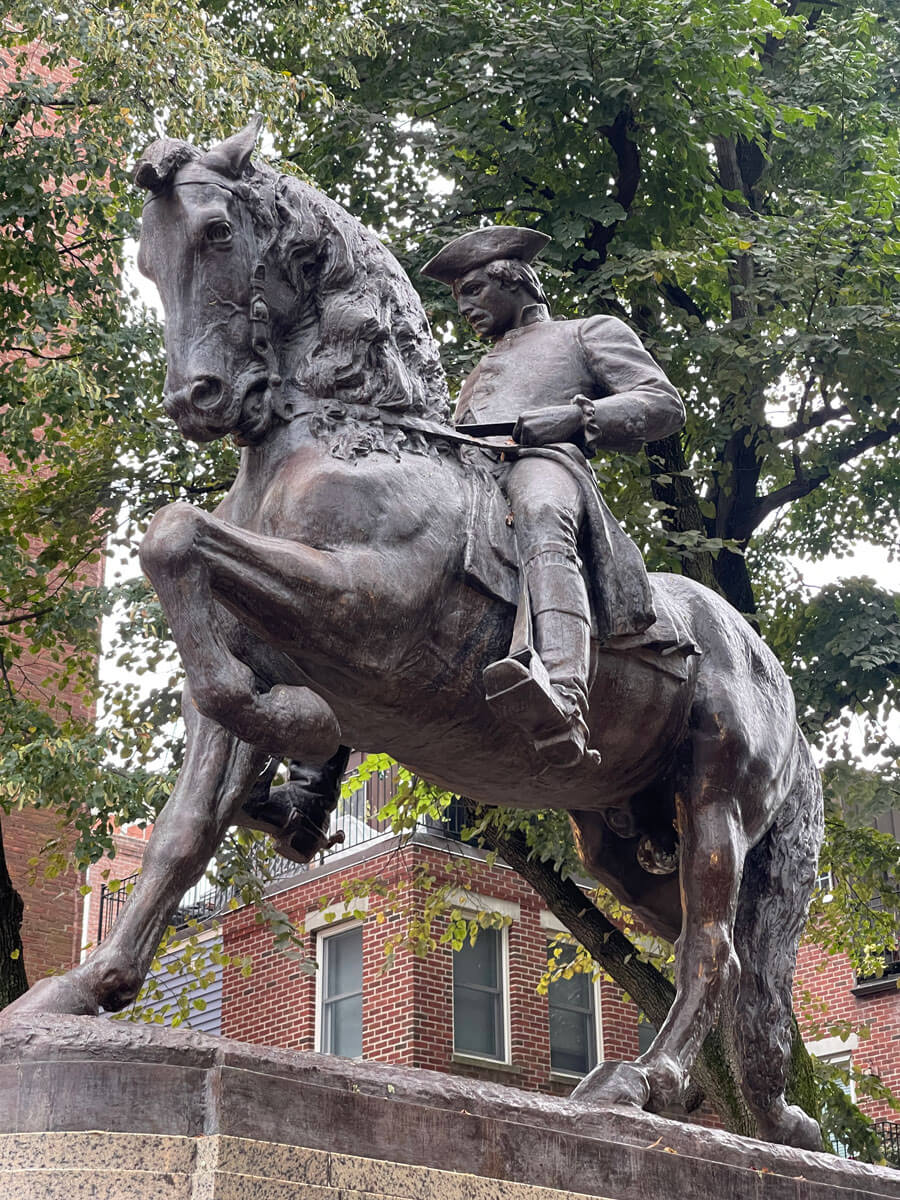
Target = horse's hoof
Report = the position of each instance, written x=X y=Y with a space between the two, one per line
x=57 y=994
x=614 y=1083
x=794 y=1127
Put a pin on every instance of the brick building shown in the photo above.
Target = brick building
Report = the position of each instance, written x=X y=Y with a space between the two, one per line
x=475 y=1011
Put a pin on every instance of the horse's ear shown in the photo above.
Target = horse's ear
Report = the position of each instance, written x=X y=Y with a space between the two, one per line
x=231 y=156
x=160 y=162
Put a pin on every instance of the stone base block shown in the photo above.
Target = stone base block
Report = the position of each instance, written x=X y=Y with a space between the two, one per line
x=113 y=1166
x=188 y=1117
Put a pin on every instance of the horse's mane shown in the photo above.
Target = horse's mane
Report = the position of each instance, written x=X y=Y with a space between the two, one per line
x=374 y=351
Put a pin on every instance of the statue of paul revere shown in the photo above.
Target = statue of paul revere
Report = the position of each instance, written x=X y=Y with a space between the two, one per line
x=572 y=388
x=567 y=389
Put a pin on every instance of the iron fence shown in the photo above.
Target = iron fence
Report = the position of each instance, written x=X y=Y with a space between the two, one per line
x=888 y=1133
x=891 y=969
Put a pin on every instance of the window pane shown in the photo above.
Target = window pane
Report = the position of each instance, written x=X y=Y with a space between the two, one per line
x=343 y=1027
x=343 y=963
x=479 y=964
x=571 y=1041
x=341 y=1013
x=576 y=992
x=476 y=1022
x=478 y=997
x=646 y=1034
x=573 y=1029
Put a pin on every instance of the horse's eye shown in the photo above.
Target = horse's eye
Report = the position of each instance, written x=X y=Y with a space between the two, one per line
x=219 y=232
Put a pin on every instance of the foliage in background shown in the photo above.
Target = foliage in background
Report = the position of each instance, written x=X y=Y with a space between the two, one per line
x=723 y=175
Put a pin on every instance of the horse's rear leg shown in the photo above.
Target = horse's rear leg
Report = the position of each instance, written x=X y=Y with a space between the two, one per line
x=217 y=775
x=782 y=869
x=713 y=847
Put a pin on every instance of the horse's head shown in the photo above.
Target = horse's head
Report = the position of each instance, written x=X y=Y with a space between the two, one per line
x=274 y=297
x=199 y=246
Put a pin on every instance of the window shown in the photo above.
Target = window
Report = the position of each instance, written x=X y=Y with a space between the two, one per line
x=647 y=1032
x=479 y=997
x=573 y=1021
x=340 y=992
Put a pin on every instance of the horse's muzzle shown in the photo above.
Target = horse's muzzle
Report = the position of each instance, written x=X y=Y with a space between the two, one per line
x=204 y=408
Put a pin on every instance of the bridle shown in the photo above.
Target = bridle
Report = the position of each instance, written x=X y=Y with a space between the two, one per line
x=261 y=345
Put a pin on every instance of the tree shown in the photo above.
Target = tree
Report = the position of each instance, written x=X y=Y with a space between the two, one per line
x=721 y=175
x=80 y=385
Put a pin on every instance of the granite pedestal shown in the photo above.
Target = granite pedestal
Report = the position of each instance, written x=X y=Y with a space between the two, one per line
x=107 y=1110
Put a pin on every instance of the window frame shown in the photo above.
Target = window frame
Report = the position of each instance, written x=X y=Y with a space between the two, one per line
x=322 y=935
x=469 y=1056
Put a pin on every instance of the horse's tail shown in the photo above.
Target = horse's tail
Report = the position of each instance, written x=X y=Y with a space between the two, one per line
x=778 y=880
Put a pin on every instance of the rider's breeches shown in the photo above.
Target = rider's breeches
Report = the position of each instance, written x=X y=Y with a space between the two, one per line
x=548 y=507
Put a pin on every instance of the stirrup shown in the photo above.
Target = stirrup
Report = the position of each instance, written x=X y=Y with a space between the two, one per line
x=519 y=690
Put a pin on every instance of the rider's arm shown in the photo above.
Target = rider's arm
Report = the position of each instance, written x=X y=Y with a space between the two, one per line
x=637 y=404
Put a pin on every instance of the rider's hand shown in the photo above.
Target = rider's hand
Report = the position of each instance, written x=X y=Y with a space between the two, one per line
x=545 y=426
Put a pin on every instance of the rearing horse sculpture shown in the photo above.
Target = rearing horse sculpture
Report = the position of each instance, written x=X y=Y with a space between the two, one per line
x=331 y=598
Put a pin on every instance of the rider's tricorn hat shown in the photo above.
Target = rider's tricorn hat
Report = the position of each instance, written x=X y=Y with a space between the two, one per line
x=482 y=246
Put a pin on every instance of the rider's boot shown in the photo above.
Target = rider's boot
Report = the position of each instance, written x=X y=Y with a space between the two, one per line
x=563 y=641
x=547 y=694
x=297 y=814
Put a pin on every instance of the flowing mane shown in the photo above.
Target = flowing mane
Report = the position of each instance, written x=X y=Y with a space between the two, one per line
x=374 y=343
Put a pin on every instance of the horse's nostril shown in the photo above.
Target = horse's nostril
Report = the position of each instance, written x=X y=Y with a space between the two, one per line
x=205 y=391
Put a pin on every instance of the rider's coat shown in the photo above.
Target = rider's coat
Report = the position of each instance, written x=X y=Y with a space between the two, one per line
x=625 y=399
x=544 y=363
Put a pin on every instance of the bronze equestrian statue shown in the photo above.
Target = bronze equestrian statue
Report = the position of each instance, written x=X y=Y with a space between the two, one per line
x=359 y=577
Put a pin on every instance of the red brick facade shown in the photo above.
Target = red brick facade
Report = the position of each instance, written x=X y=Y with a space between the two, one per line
x=408 y=1001
x=826 y=994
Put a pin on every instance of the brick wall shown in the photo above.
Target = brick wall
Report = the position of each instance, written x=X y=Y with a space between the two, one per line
x=408 y=1004
x=824 y=995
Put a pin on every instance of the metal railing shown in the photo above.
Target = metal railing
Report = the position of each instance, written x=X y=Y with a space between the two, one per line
x=891 y=969
x=888 y=1133
x=355 y=815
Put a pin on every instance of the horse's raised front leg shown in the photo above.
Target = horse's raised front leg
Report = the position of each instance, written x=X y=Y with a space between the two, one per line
x=707 y=971
x=217 y=775
x=197 y=562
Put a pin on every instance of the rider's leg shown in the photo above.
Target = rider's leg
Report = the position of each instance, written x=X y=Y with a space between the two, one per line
x=548 y=508
x=297 y=813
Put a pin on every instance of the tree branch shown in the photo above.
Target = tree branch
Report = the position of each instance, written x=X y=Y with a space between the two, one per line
x=808 y=482
x=28 y=616
x=628 y=159
x=789 y=433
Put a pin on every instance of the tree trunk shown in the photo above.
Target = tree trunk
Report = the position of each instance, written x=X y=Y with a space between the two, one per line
x=12 y=962
x=673 y=488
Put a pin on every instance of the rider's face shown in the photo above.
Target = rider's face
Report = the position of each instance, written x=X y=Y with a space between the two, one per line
x=490 y=308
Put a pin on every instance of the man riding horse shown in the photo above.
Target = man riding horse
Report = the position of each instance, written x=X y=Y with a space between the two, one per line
x=572 y=388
